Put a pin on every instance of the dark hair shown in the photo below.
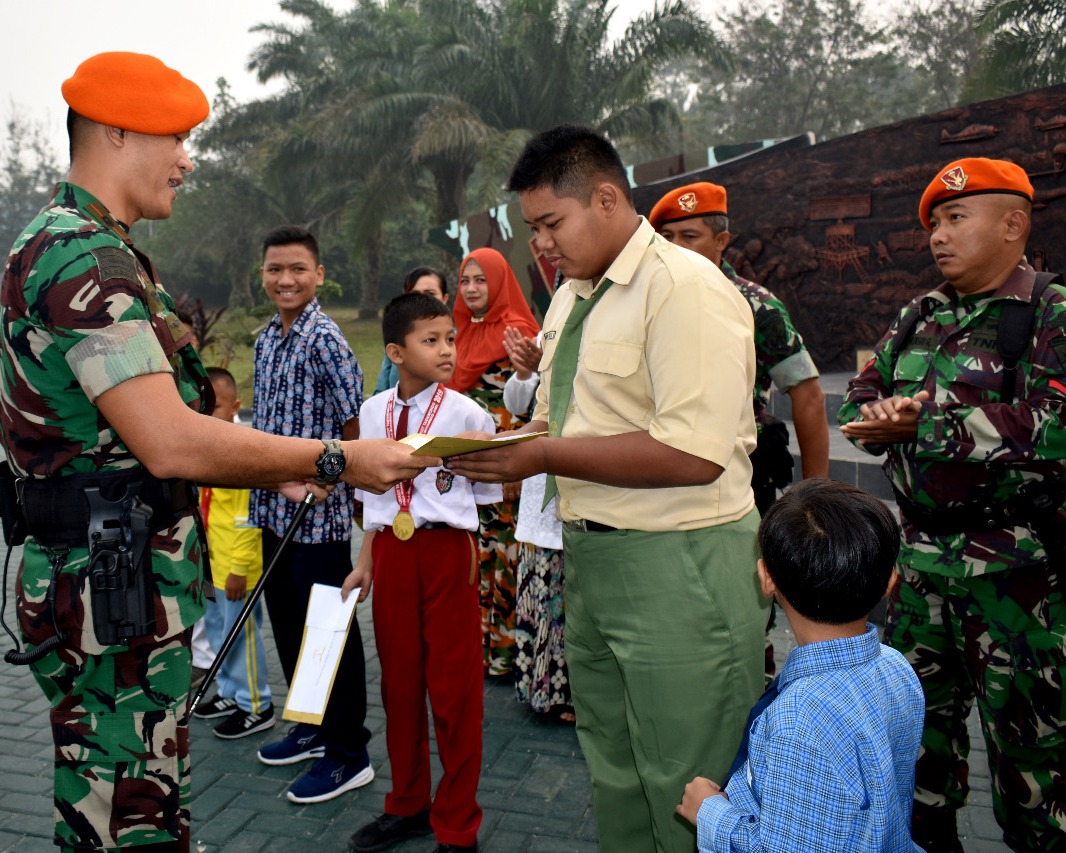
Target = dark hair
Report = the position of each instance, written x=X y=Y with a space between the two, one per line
x=717 y=222
x=830 y=549
x=411 y=279
x=77 y=128
x=405 y=310
x=220 y=374
x=287 y=235
x=570 y=159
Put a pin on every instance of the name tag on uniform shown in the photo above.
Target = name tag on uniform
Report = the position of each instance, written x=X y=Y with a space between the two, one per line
x=550 y=336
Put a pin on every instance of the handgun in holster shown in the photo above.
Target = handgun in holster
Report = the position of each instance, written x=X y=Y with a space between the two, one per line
x=120 y=566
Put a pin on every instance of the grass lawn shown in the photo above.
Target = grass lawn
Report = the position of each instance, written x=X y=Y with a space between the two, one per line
x=239 y=330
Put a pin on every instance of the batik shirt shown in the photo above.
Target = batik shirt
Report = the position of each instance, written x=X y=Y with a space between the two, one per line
x=81 y=314
x=781 y=359
x=971 y=446
x=307 y=384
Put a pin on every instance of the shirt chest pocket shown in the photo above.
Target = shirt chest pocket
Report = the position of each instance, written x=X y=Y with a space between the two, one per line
x=912 y=370
x=980 y=380
x=614 y=358
x=615 y=380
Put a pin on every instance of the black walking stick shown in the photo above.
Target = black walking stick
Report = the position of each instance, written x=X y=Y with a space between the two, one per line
x=242 y=617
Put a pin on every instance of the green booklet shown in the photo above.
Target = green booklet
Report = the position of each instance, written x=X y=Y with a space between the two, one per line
x=444 y=446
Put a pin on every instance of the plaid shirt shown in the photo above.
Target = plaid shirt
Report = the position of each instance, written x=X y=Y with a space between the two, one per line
x=831 y=760
x=307 y=384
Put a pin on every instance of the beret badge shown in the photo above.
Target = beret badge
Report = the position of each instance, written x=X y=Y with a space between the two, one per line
x=955 y=179
x=687 y=202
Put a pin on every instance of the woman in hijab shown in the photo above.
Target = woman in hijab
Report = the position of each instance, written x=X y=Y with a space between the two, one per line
x=491 y=300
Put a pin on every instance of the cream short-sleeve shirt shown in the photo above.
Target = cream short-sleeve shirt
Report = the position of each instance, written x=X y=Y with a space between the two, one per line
x=668 y=349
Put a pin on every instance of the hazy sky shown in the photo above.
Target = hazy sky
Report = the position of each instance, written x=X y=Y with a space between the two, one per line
x=204 y=39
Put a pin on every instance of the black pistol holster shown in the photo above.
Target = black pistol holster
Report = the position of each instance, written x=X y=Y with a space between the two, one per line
x=120 y=569
x=114 y=515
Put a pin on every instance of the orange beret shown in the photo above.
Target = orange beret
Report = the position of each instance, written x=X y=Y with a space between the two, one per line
x=973 y=176
x=135 y=92
x=688 y=202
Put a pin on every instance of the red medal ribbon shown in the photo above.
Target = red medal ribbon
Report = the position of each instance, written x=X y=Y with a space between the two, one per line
x=405 y=490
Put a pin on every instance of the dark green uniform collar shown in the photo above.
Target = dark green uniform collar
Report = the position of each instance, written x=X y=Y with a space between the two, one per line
x=72 y=196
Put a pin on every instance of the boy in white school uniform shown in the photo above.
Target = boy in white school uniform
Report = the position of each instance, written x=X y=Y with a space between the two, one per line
x=420 y=549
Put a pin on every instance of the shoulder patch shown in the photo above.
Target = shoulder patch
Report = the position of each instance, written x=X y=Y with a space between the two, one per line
x=113 y=262
x=1059 y=347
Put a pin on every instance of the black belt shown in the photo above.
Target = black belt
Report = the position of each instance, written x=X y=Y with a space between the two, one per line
x=57 y=513
x=583 y=525
x=436 y=525
x=1036 y=500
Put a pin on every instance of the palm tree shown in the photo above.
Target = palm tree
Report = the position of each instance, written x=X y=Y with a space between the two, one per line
x=400 y=106
x=1026 y=49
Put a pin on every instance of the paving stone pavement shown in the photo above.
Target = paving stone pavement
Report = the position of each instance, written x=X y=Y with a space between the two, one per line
x=534 y=784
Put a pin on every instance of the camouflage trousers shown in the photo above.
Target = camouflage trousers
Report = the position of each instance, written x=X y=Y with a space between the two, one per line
x=999 y=638
x=120 y=728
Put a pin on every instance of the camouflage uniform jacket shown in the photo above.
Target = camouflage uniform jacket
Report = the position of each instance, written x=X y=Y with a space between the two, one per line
x=80 y=313
x=781 y=358
x=970 y=446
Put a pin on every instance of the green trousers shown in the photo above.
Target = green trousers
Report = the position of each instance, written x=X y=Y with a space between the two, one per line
x=664 y=643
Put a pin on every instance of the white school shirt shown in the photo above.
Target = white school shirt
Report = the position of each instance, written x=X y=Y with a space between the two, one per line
x=535 y=526
x=440 y=495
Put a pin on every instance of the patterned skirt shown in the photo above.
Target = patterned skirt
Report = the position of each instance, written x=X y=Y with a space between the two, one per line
x=498 y=584
x=540 y=669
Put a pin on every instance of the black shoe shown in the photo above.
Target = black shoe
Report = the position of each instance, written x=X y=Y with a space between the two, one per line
x=388 y=829
x=243 y=723
x=455 y=848
x=217 y=707
x=935 y=829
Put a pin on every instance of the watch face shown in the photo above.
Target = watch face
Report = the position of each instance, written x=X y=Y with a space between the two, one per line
x=332 y=464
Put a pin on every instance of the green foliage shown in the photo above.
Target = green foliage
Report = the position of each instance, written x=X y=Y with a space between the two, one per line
x=800 y=65
x=241 y=328
x=395 y=116
x=1026 y=49
x=824 y=66
x=329 y=291
x=400 y=114
x=940 y=47
x=28 y=170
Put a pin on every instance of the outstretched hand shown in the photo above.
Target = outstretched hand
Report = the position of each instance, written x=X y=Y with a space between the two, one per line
x=507 y=464
x=377 y=464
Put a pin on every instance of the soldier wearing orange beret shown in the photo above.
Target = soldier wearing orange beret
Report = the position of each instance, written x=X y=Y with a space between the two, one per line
x=106 y=416
x=696 y=217
x=966 y=394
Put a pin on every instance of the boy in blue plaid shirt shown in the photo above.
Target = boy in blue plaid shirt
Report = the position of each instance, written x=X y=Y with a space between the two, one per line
x=827 y=762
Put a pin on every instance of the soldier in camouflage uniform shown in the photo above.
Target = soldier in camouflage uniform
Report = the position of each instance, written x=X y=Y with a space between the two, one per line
x=975 y=455
x=97 y=375
x=695 y=216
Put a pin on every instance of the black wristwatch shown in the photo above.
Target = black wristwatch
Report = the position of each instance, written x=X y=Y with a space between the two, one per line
x=331 y=463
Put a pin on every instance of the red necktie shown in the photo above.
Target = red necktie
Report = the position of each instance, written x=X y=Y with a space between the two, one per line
x=401 y=427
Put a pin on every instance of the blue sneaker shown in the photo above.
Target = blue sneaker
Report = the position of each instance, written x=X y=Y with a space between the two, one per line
x=301 y=743
x=329 y=778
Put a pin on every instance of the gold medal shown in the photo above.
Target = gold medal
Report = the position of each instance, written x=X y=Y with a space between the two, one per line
x=403 y=526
